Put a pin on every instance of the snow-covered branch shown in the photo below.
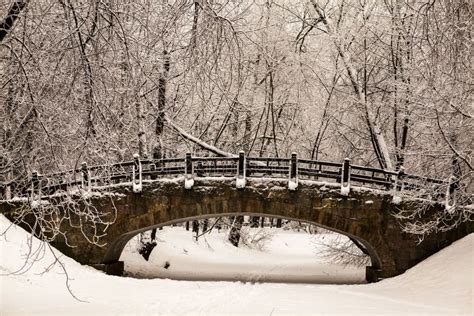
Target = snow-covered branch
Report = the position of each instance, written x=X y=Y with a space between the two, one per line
x=378 y=140
x=198 y=141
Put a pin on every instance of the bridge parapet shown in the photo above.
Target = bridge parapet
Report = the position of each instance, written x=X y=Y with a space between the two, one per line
x=239 y=167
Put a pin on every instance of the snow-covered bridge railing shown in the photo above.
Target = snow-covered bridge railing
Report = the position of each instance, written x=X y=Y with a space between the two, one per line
x=139 y=170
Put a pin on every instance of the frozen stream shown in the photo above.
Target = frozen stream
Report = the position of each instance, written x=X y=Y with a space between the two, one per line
x=288 y=256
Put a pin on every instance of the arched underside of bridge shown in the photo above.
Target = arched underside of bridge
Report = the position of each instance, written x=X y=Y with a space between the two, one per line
x=364 y=215
x=115 y=249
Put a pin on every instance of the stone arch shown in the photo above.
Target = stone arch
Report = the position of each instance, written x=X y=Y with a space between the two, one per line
x=365 y=215
x=114 y=249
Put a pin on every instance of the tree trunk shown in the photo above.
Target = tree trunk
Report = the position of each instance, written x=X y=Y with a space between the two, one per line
x=254 y=220
x=234 y=234
x=248 y=111
x=194 y=29
x=195 y=225
x=147 y=244
x=160 y=117
x=88 y=81
x=205 y=224
x=142 y=147
x=278 y=224
x=378 y=140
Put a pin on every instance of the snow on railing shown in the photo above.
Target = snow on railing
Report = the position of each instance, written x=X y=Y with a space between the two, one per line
x=293 y=180
x=239 y=167
x=240 y=180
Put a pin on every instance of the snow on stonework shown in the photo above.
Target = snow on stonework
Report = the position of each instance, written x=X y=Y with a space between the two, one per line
x=240 y=183
x=188 y=183
x=396 y=200
x=345 y=190
x=292 y=185
x=137 y=187
x=441 y=285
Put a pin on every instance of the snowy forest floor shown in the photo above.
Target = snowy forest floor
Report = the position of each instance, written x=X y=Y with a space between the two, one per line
x=442 y=284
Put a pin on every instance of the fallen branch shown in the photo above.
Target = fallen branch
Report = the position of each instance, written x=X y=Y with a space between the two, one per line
x=198 y=141
x=210 y=229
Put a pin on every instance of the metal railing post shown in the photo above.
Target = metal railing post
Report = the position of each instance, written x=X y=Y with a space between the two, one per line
x=293 y=181
x=398 y=186
x=8 y=191
x=199 y=169
x=86 y=179
x=137 y=174
x=401 y=174
x=188 y=177
x=450 y=202
x=35 y=188
x=346 y=177
x=240 y=181
x=153 y=171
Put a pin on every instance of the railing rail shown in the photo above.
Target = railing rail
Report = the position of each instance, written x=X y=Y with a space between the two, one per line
x=239 y=167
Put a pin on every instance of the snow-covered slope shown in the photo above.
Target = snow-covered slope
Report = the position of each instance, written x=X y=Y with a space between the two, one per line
x=441 y=285
x=445 y=279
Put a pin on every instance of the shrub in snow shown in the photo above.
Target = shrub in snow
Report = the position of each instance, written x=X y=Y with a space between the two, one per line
x=255 y=238
x=338 y=248
x=146 y=243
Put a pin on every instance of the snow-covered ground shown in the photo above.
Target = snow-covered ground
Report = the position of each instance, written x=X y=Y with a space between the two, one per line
x=440 y=285
x=287 y=256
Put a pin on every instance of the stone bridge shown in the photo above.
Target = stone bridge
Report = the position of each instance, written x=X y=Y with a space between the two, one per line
x=363 y=214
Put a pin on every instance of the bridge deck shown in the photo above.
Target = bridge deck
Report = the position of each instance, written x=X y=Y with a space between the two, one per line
x=88 y=177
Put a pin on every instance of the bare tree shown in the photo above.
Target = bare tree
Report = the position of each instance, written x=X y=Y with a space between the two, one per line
x=12 y=15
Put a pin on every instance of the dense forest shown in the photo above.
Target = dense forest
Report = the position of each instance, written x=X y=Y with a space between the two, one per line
x=386 y=83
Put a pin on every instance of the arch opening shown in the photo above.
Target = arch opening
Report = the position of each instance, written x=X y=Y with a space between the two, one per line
x=116 y=249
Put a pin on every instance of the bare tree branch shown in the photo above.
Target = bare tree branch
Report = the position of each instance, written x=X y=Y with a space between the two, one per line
x=12 y=16
x=451 y=145
x=198 y=141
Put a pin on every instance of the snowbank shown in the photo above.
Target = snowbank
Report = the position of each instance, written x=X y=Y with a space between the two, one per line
x=440 y=285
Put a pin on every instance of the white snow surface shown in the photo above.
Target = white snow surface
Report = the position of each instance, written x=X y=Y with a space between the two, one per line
x=441 y=285
x=240 y=183
x=288 y=256
x=345 y=189
x=137 y=187
x=292 y=185
x=188 y=183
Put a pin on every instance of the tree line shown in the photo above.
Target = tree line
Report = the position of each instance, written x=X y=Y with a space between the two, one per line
x=385 y=83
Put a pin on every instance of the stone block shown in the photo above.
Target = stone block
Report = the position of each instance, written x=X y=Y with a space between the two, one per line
x=372 y=274
x=115 y=268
